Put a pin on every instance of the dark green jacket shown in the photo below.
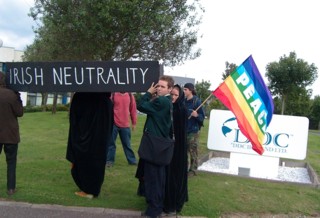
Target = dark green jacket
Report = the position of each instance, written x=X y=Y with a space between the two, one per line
x=158 y=114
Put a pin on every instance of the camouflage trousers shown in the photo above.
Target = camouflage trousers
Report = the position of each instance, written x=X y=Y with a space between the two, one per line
x=193 y=143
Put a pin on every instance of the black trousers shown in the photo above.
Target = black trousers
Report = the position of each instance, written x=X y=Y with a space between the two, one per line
x=154 y=183
x=11 y=151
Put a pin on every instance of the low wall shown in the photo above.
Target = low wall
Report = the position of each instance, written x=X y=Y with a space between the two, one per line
x=288 y=163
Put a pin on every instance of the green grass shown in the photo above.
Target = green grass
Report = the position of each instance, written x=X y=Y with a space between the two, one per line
x=43 y=176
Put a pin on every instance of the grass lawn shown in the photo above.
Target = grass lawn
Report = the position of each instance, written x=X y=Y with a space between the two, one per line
x=43 y=176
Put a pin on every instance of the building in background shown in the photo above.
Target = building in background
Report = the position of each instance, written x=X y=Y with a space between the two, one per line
x=183 y=80
x=9 y=54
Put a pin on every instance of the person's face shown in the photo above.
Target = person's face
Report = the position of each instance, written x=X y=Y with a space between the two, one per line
x=174 y=94
x=187 y=92
x=162 y=88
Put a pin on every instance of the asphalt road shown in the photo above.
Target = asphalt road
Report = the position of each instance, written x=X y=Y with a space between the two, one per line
x=10 y=209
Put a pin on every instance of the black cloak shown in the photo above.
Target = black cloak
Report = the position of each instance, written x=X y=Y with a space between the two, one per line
x=91 y=120
x=177 y=172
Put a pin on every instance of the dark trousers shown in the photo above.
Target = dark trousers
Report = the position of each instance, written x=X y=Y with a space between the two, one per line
x=11 y=151
x=154 y=183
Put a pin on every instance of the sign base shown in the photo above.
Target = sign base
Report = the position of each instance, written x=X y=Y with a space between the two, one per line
x=255 y=166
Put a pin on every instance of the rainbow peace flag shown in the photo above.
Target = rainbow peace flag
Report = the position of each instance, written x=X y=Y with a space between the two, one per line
x=246 y=95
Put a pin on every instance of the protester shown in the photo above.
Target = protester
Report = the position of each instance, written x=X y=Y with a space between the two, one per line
x=151 y=176
x=91 y=120
x=10 y=109
x=177 y=172
x=195 y=119
x=125 y=109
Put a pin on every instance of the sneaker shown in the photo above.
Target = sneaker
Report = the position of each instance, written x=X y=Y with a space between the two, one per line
x=84 y=195
x=109 y=164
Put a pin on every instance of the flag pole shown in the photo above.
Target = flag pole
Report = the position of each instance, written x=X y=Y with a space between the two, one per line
x=202 y=104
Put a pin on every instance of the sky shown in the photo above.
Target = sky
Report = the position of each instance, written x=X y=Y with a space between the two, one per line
x=231 y=30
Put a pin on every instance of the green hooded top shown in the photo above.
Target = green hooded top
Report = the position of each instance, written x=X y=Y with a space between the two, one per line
x=158 y=112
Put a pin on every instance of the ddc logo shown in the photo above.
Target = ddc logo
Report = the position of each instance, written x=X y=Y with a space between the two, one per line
x=231 y=130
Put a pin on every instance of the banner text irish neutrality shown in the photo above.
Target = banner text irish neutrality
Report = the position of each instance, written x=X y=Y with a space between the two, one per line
x=81 y=76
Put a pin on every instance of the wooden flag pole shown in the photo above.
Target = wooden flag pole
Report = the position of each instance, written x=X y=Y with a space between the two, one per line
x=201 y=104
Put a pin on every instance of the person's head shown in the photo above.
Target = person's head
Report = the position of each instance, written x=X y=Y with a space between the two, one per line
x=2 y=79
x=165 y=85
x=189 y=90
x=175 y=94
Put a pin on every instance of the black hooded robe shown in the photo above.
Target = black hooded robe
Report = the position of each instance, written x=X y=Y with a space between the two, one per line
x=91 y=120
x=177 y=172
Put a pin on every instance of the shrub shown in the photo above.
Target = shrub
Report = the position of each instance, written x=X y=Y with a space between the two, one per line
x=60 y=107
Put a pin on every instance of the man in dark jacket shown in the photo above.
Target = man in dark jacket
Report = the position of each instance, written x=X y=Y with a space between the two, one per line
x=10 y=108
x=193 y=129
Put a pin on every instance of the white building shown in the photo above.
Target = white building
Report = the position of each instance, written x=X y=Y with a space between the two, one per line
x=9 y=54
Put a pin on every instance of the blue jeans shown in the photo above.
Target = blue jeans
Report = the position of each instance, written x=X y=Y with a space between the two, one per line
x=125 y=137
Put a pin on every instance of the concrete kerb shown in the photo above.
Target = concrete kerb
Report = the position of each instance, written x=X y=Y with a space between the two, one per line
x=91 y=210
x=289 y=163
x=68 y=210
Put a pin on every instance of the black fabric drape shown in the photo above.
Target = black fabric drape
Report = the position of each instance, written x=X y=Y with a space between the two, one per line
x=91 y=120
x=177 y=172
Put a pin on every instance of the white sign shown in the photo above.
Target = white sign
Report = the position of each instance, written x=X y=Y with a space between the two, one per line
x=286 y=136
x=23 y=96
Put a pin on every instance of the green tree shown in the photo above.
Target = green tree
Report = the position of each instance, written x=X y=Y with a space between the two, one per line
x=298 y=104
x=315 y=113
x=290 y=76
x=277 y=105
x=216 y=104
x=203 y=92
x=115 y=30
x=230 y=67
x=202 y=89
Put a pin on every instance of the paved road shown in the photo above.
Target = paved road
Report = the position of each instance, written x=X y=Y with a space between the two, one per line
x=9 y=209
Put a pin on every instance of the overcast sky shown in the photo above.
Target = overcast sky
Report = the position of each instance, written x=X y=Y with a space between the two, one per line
x=231 y=31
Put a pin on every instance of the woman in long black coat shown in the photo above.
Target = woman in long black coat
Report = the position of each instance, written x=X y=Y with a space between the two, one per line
x=177 y=172
x=91 y=120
